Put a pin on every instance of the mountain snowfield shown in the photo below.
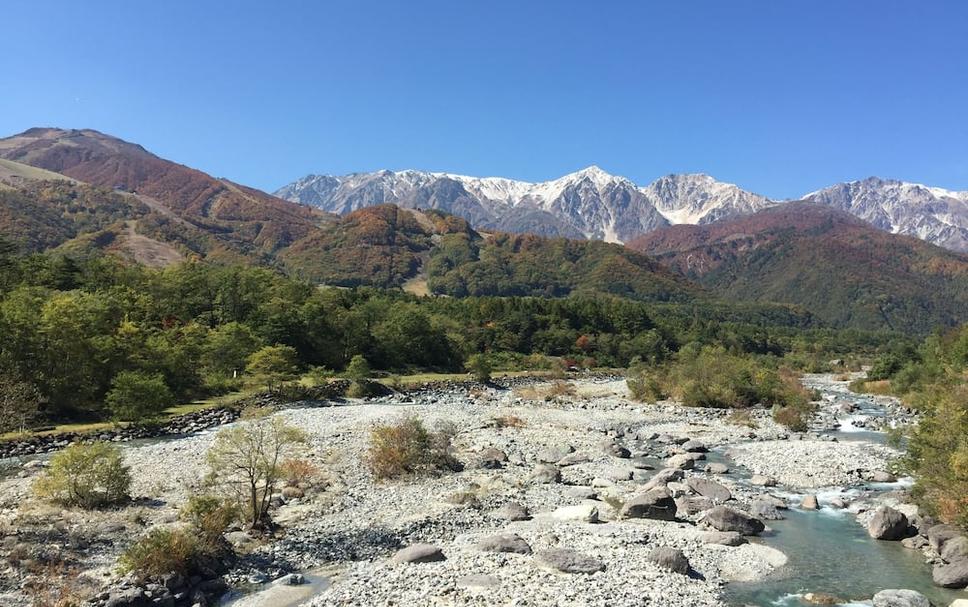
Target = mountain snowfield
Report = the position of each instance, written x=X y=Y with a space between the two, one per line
x=591 y=203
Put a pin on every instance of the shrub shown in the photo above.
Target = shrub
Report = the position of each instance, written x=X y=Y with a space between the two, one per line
x=297 y=472
x=161 y=552
x=358 y=369
x=407 y=447
x=135 y=395
x=273 y=364
x=643 y=383
x=209 y=517
x=796 y=419
x=741 y=417
x=480 y=366
x=509 y=421
x=88 y=476
x=560 y=388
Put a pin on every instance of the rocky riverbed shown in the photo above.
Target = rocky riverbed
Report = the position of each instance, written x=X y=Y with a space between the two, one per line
x=563 y=500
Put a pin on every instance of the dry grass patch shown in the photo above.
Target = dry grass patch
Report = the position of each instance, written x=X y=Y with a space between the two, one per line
x=407 y=448
x=509 y=421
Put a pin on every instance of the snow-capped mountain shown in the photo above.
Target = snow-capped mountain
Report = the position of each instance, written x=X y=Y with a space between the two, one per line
x=589 y=203
x=933 y=214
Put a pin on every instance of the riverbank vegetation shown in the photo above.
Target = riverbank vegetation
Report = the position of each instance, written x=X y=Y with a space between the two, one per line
x=97 y=339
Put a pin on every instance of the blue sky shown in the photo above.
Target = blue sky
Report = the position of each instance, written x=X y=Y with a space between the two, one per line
x=779 y=97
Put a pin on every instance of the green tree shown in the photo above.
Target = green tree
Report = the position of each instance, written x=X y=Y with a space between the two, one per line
x=135 y=395
x=228 y=347
x=86 y=475
x=272 y=364
x=480 y=366
x=19 y=402
x=245 y=462
x=358 y=369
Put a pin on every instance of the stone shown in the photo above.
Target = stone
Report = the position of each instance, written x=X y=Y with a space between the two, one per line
x=293 y=579
x=693 y=446
x=915 y=542
x=692 y=505
x=821 y=598
x=939 y=534
x=951 y=575
x=663 y=477
x=126 y=597
x=567 y=560
x=900 y=598
x=552 y=455
x=504 y=542
x=640 y=462
x=762 y=481
x=418 y=553
x=511 y=511
x=723 y=538
x=682 y=461
x=724 y=518
x=678 y=489
x=669 y=558
x=709 y=488
x=765 y=510
x=586 y=513
x=618 y=474
x=655 y=504
x=545 y=474
x=955 y=549
x=492 y=458
x=810 y=503
x=616 y=450
x=573 y=459
x=716 y=468
x=837 y=503
x=476 y=580
x=887 y=524
x=879 y=476
x=581 y=492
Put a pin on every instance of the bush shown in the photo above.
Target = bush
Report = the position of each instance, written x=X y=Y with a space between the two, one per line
x=480 y=366
x=358 y=369
x=135 y=395
x=407 y=447
x=296 y=472
x=643 y=383
x=794 y=418
x=209 y=517
x=88 y=476
x=161 y=552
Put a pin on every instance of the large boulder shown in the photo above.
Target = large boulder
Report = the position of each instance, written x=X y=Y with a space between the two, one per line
x=511 y=511
x=493 y=458
x=761 y=480
x=709 y=488
x=693 y=505
x=654 y=503
x=951 y=575
x=955 y=549
x=939 y=534
x=554 y=454
x=716 y=468
x=544 y=474
x=724 y=518
x=585 y=513
x=693 y=446
x=663 y=477
x=765 y=510
x=569 y=561
x=682 y=461
x=418 y=553
x=900 y=598
x=616 y=450
x=669 y=558
x=723 y=538
x=504 y=542
x=887 y=524
x=810 y=502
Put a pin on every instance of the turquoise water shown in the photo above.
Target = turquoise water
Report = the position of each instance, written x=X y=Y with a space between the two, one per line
x=830 y=552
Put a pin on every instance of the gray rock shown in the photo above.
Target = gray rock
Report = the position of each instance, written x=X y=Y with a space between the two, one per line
x=887 y=524
x=900 y=598
x=616 y=450
x=581 y=492
x=418 y=553
x=511 y=511
x=476 y=580
x=552 y=455
x=723 y=518
x=640 y=462
x=955 y=549
x=654 y=503
x=723 y=538
x=569 y=561
x=765 y=510
x=618 y=474
x=293 y=579
x=586 y=513
x=692 y=505
x=669 y=558
x=504 y=542
x=492 y=458
x=716 y=468
x=663 y=477
x=763 y=481
x=879 y=476
x=544 y=474
x=915 y=542
x=709 y=488
x=574 y=458
x=126 y=597
x=939 y=534
x=810 y=502
x=951 y=575
x=693 y=446
x=682 y=461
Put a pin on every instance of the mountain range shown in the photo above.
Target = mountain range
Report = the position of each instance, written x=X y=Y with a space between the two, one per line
x=689 y=239
x=594 y=204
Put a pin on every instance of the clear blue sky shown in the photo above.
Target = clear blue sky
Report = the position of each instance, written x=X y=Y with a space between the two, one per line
x=780 y=97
